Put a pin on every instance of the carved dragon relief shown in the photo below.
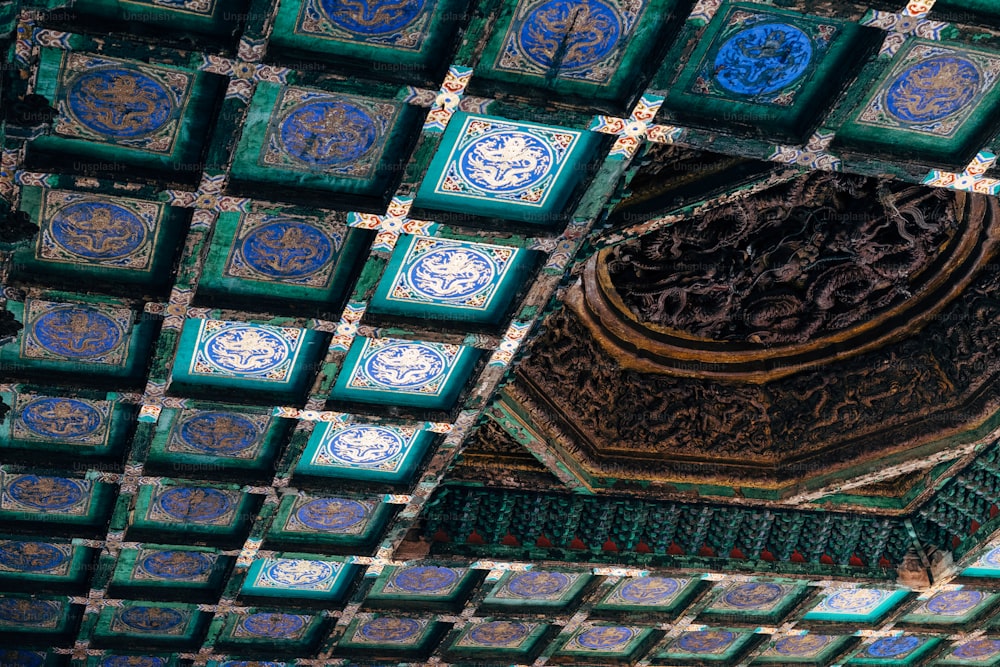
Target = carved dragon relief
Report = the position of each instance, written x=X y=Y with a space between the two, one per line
x=834 y=415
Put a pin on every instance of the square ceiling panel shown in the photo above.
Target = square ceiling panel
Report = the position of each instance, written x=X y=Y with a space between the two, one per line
x=866 y=605
x=959 y=606
x=933 y=101
x=504 y=169
x=54 y=427
x=391 y=635
x=364 y=452
x=154 y=624
x=260 y=259
x=32 y=564
x=168 y=573
x=537 y=589
x=160 y=130
x=132 y=660
x=41 y=500
x=219 y=440
x=514 y=640
x=431 y=585
x=24 y=618
x=982 y=651
x=597 y=49
x=112 y=241
x=215 y=515
x=605 y=643
x=259 y=359
x=648 y=594
x=216 y=19
x=271 y=630
x=756 y=600
x=711 y=646
x=404 y=40
x=443 y=279
x=23 y=658
x=298 y=578
x=88 y=340
x=766 y=69
x=898 y=650
x=987 y=565
x=803 y=649
x=341 y=525
x=297 y=139
x=403 y=372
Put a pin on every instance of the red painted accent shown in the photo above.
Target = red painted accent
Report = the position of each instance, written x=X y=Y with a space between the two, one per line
x=796 y=557
x=736 y=553
x=643 y=548
x=884 y=562
x=510 y=541
x=826 y=559
x=475 y=538
x=706 y=551
x=955 y=541
x=675 y=550
x=543 y=542
x=856 y=562
x=994 y=510
x=577 y=543
x=766 y=555
x=441 y=536
x=609 y=546
x=973 y=527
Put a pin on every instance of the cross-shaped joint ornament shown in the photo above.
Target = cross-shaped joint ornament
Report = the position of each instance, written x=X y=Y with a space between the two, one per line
x=632 y=131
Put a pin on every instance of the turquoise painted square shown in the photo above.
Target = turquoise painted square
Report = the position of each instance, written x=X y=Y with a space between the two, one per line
x=756 y=599
x=168 y=113
x=96 y=339
x=606 y=641
x=30 y=615
x=959 y=606
x=592 y=49
x=201 y=505
x=254 y=357
x=715 y=645
x=451 y=280
x=223 y=437
x=280 y=256
x=982 y=651
x=30 y=560
x=364 y=451
x=168 y=568
x=319 y=140
x=342 y=522
x=173 y=623
x=856 y=604
x=806 y=648
x=506 y=169
x=935 y=99
x=510 y=638
x=45 y=498
x=987 y=565
x=387 y=632
x=762 y=67
x=537 y=588
x=427 y=583
x=303 y=578
x=76 y=426
x=404 y=372
x=901 y=650
x=111 y=239
x=270 y=628
x=404 y=38
x=646 y=594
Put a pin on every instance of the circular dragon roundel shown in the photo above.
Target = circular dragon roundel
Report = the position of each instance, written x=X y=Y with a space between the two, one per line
x=97 y=230
x=287 y=249
x=569 y=34
x=327 y=132
x=372 y=17
x=505 y=161
x=763 y=59
x=932 y=89
x=119 y=102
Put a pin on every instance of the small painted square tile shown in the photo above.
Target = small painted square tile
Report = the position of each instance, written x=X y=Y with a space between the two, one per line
x=537 y=588
x=855 y=604
x=607 y=641
x=986 y=565
x=898 y=650
x=648 y=594
x=50 y=419
x=338 y=525
x=428 y=583
x=507 y=169
x=131 y=661
x=22 y=658
x=957 y=606
x=364 y=451
x=216 y=516
x=982 y=651
x=95 y=334
x=218 y=434
x=171 y=566
x=30 y=615
x=714 y=645
x=499 y=635
x=389 y=632
x=36 y=494
x=193 y=504
x=298 y=578
x=756 y=599
x=806 y=648
x=271 y=626
x=404 y=372
x=24 y=558
x=445 y=279
x=140 y=619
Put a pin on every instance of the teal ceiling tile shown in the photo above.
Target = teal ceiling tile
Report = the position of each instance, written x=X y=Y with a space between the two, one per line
x=537 y=588
x=20 y=658
x=181 y=570
x=271 y=627
x=61 y=423
x=756 y=599
x=450 y=280
x=212 y=514
x=802 y=649
x=509 y=638
x=645 y=594
x=389 y=633
x=37 y=561
x=960 y=606
x=31 y=615
x=403 y=372
x=298 y=578
x=982 y=651
x=506 y=169
x=334 y=523
x=53 y=499
x=113 y=240
x=714 y=646
x=855 y=604
x=131 y=661
x=619 y=642
x=364 y=451
x=429 y=584
x=987 y=565
x=272 y=360
x=321 y=141
x=899 y=650
x=167 y=624
x=934 y=102
x=208 y=18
